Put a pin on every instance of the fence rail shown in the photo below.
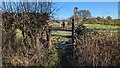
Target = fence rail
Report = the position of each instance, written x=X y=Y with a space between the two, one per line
x=61 y=35
x=60 y=29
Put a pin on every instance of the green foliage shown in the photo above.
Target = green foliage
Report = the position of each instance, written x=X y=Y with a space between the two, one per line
x=52 y=58
x=69 y=23
x=18 y=36
x=79 y=30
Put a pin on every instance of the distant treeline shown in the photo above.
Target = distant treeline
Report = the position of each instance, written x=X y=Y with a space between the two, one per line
x=102 y=21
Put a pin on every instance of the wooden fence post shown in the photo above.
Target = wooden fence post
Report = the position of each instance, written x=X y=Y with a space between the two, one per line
x=72 y=31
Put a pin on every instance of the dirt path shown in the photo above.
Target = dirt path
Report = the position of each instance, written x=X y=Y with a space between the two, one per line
x=67 y=57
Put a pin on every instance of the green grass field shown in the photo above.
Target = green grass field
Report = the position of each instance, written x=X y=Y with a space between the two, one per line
x=65 y=33
x=99 y=26
x=91 y=26
x=59 y=38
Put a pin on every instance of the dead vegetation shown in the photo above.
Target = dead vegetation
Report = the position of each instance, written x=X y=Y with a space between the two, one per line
x=96 y=49
x=24 y=41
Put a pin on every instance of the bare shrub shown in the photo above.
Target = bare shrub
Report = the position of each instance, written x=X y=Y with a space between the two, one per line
x=98 y=50
x=28 y=48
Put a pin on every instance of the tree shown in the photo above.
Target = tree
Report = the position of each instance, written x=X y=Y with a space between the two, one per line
x=33 y=7
x=109 y=18
x=98 y=18
x=84 y=13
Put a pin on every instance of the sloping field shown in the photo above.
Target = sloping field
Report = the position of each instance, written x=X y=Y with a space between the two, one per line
x=99 y=26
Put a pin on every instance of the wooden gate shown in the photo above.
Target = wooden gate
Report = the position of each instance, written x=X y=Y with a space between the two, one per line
x=60 y=29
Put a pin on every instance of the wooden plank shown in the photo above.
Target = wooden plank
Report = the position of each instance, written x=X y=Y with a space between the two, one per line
x=60 y=29
x=61 y=35
x=70 y=44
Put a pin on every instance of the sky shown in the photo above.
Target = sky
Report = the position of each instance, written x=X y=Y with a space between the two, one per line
x=101 y=9
x=60 y=0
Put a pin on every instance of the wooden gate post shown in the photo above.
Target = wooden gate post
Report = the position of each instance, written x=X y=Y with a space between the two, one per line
x=73 y=21
x=75 y=15
x=72 y=31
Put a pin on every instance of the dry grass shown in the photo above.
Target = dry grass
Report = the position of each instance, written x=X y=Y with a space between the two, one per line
x=35 y=56
x=20 y=56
